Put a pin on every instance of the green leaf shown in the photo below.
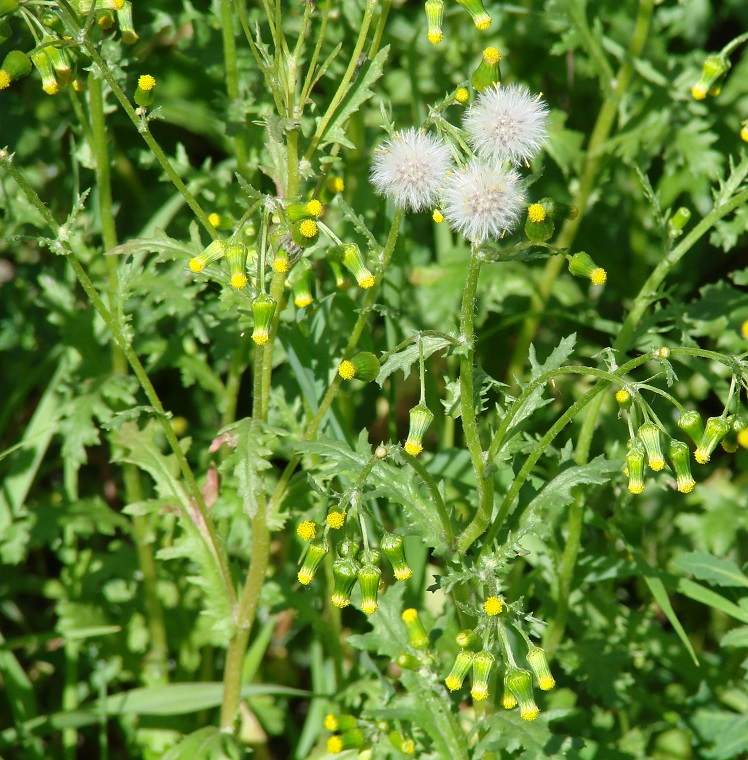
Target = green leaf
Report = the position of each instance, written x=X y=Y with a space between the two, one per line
x=706 y=596
x=657 y=587
x=507 y=732
x=707 y=567
x=737 y=637
x=209 y=743
x=405 y=359
x=169 y=248
x=727 y=731
x=558 y=492
x=358 y=92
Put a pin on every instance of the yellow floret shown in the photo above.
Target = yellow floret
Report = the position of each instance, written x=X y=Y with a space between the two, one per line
x=196 y=265
x=214 y=219
x=623 y=396
x=743 y=438
x=314 y=207
x=462 y=95
x=698 y=92
x=636 y=488
x=367 y=282
x=599 y=276
x=146 y=82
x=482 y=22
x=744 y=328
x=305 y=577
x=508 y=701
x=536 y=213
x=453 y=683
x=331 y=722
x=335 y=745
x=339 y=600
x=479 y=692
x=491 y=55
x=656 y=464
x=302 y=301
x=335 y=184
x=346 y=370
x=238 y=281
x=308 y=228
x=437 y=216
x=529 y=714
x=403 y=573
x=414 y=449
x=4 y=79
x=410 y=615
x=744 y=133
x=493 y=606
x=261 y=337
x=281 y=266
x=369 y=607
x=306 y=530
x=435 y=37
x=51 y=88
x=547 y=683
x=336 y=520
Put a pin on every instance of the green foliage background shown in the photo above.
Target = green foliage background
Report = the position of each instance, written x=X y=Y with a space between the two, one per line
x=658 y=585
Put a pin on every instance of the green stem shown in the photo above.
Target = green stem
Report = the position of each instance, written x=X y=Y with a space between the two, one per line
x=199 y=517
x=358 y=329
x=228 y=33
x=587 y=181
x=131 y=478
x=436 y=497
x=467 y=407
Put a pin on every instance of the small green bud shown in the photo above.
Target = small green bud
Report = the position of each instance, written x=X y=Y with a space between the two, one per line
x=466 y=639
x=124 y=22
x=649 y=434
x=477 y=12
x=519 y=683
x=538 y=663
x=624 y=398
x=635 y=466
x=462 y=664
x=301 y=284
x=340 y=722
x=315 y=553
x=43 y=64
x=60 y=61
x=417 y=635
x=347 y=548
x=714 y=69
x=363 y=366
x=421 y=418
x=105 y=18
x=352 y=739
x=281 y=261
x=15 y=65
x=582 y=265
x=407 y=661
x=337 y=271
x=678 y=221
x=298 y=211
x=508 y=700
x=216 y=250
x=263 y=310
x=735 y=425
x=236 y=255
x=345 y=572
x=715 y=430
x=144 y=92
x=488 y=73
x=353 y=261
x=392 y=547
x=690 y=423
x=405 y=744
x=680 y=456
x=434 y=14
x=482 y=664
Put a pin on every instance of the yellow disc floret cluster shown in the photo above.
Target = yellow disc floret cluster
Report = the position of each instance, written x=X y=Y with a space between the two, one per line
x=306 y=530
x=336 y=520
x=493 y=606
x=146 y=82
x=536 y=213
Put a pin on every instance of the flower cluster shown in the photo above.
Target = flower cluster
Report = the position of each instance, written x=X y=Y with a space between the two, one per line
x=483 y=198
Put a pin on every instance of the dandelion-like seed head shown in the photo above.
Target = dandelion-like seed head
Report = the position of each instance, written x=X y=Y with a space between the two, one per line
x=410 y=167
x=483 y=202
x=507 y=124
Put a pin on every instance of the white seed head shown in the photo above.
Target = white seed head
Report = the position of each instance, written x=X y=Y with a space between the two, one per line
x=483 y=201
x=411 y=168
x=507 y=124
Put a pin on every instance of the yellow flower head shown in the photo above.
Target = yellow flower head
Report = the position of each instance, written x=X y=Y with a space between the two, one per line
x=346 y=370
x=598 y=277
x=306 y=530
x=536 y=213
x=336 y=520
x=214 y=219
x=437 y=216
x=493 y=606
x=314 y=207
x=462 y=95
x=146 y=82
x=308 y=228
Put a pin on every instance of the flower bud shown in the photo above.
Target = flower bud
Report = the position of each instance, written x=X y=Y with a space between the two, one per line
x=347 y=548
x=462 y=95
x=332 y=187
x=43 y=64
x=236 y=255
x=462 y=664
x=678 y=221
x=368 y=579
x=420 y=419
x=538 y=663
x=144 y=92
x=298 y=211
x=482 y=664
x=15 y=65
x=306 y=530
x=363 y=366
x=60 y=61
x=353 y=261
x=735 y=425
x=392 y=547
x=281 y=261
x=539 y=225
x=345 y=572
x=124 y=22
x=434 y=14
x=305 y=233
x=714 y=69
x=624 y=399
x=649 y=435
x=340 y=722
x=466 y=639
x=315 y=553
x=680 y=456
x=337 y=272
x=519 y=683
x=690 y=423
x=352 y=739
x=407 y=661
x=715 y=430
x=582 y=265
x=105 y=19
x=488 y=72
x=635 y=466
x=405 y=744
x=216 y=250
x=263 y=310
x=301 y=284
x=475 y=8
x=508 y=700
x=417 y=635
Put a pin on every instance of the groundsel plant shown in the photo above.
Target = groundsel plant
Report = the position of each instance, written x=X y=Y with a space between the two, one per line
x=377 y=419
